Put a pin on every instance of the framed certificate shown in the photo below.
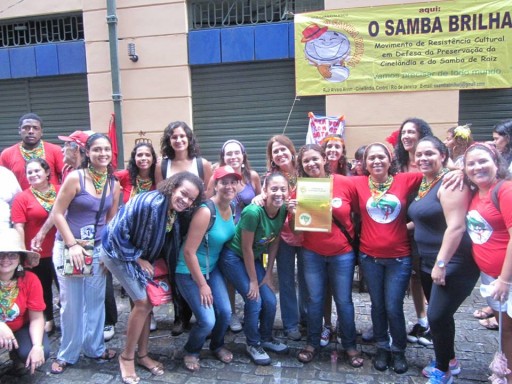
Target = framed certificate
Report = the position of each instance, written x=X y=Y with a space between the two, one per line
x=314 y=212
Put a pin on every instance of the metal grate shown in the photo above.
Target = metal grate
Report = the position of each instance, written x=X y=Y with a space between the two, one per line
x=39 y=31
x=225 y=13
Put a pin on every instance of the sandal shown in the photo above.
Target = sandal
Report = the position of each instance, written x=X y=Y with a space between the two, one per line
x=191 y=363
x=224 y=355
x=107 y=355
x=490 y=323
x=58 y=366
x=132 y=379
x=306 y=354
x=484 y=313
x=156 y=370
x=355 y=359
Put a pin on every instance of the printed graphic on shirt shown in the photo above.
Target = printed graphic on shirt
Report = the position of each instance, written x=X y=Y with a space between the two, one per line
x=385 y=210
x=336 y=202
x=478 y=228
x=9 y=314
x=267 y=240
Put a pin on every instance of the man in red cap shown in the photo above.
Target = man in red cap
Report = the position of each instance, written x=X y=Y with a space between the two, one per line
x=73 y=150
x=32 y=146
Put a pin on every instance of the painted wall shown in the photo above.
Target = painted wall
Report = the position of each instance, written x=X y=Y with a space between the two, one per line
x=10 y=9
x=372 y=117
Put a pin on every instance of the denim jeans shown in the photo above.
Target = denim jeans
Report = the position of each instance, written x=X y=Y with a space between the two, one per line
x=262 y=310
x=387 y=280
x=339 y=272
x=292 y=311
x=214 y=320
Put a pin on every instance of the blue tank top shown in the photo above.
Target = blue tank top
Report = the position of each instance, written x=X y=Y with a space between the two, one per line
x=82 y=210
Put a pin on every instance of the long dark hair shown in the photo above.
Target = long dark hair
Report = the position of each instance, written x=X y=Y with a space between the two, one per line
x=133 y=170
x=165 y=142
x=246 y=166
x=504 y=128
x=86 y=160
x=401 y=155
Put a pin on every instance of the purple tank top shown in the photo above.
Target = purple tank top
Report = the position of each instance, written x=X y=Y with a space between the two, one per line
x=82 y=210
x=243 y=198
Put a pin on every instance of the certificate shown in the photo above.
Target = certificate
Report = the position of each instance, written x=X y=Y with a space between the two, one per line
x=314 y=212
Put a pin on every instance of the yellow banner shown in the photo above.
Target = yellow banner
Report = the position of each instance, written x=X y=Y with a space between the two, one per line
x=460 y=44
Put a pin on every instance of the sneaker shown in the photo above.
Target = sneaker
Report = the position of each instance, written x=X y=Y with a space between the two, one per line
x=177 y=328
x=258 y=355
x=325 y=337
x=152 y=323
x=108 y=332
x=440 y=377
x=413 y=336
x=275 y=346
x=454 y=368
x=368 y=334
x=425 y=338
x=399 y=362
x=382 y=359
x=234 y=324
x=294 y=335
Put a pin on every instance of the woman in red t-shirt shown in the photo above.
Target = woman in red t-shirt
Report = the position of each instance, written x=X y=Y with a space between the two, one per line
x=21 y=305
x=30 y=211
x=489 y=223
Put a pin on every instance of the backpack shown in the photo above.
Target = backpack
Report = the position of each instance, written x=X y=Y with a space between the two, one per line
x=494 y=195
x=199 y=162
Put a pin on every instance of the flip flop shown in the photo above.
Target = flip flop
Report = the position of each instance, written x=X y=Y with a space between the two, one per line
x=484 y=313
x=489 y=323
x=58 y=366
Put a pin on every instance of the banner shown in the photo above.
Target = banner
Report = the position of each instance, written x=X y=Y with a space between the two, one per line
x=322 y=126
x=459 y=44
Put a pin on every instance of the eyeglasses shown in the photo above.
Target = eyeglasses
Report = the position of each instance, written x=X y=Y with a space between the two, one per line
x=9 y=256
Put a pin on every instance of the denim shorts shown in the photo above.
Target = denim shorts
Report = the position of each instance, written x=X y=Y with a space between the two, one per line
x=133 y=288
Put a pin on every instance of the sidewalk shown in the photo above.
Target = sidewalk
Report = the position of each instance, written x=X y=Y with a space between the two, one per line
x=475 y=348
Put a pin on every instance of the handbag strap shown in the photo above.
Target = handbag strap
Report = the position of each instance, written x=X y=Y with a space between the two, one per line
x=102 y=203
x=344 y=230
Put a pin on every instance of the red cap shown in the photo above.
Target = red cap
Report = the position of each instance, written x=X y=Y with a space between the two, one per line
x=78 y=137
x=224 y=171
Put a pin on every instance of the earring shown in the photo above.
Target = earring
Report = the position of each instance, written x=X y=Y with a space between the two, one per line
x=293 y=157
x=273 y=164
x=20 y=268
x=243 y=165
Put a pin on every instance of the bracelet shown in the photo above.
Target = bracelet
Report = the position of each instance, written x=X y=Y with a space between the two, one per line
x=503 y=281
x=72 y=245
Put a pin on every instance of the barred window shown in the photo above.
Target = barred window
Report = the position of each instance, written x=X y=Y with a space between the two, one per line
x=225 y=13
x=38 y=31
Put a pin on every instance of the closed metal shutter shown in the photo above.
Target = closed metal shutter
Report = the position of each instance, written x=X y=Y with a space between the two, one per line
x=249 y=102
x=61 y=101
x=483 y=109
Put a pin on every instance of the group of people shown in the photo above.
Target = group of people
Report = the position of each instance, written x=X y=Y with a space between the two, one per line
x=424 y=212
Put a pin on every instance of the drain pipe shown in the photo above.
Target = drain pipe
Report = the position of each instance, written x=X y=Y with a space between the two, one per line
x=116 y=83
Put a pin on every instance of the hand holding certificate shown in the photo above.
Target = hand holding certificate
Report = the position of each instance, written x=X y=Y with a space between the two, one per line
x=314 y=211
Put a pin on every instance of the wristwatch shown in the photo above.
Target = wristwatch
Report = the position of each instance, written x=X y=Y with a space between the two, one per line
x=441 y=263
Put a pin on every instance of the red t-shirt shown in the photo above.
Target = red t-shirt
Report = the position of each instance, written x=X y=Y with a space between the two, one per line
x=26 y=209
x=12 y=159
x=383 y=224
x=335 y=242
x=488 y=229
x=30 y=297
x=126 y=184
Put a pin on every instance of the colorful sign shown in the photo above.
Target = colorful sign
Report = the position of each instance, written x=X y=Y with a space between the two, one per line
x=459 y=44
x=314 y=212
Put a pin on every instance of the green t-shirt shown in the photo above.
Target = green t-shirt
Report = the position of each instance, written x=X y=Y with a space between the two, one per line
x=255 y=219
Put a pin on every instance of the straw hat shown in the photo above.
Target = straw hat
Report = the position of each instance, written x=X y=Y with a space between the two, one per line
x=11 y=241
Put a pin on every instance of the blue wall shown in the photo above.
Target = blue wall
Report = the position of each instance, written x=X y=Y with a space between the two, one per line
x=241 y=44
x=42 y=60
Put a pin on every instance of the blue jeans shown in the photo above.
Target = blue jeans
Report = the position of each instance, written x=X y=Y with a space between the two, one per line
x=262 y=310
x=292 y=311
x=214 y=320
x=339 y=272
x=387 y=280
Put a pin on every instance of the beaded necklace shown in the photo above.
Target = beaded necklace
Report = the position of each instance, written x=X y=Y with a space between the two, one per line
x=46 y=199
x=99 y=179
x=292 y=179
x=141 y=185
x=29 y=154
x=425 y=186
x=8 y=294
x=171 y=218
x=378 y=190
